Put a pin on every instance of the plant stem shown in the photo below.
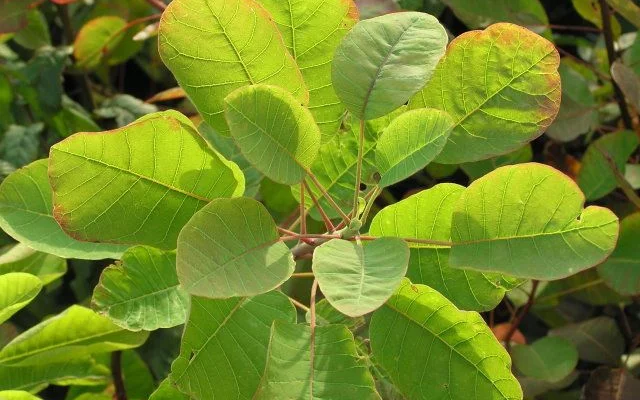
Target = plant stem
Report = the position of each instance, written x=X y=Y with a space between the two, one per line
x=327 y=221
x=158 y=4
x=298 y=304
x=312 y=325
x=622 y=182
x=365 y=214
x=611 y=55
x=356 y=192
x=116 y=373
x=525 y=310
x=303 y=216
x=327 y=196
x=303 y=275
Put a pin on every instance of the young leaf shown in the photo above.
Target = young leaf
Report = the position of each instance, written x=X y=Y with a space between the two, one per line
x=138 y=184
x=323 y=368
x=528 y=221
x=357 y=279
x=79 y=371
x=22 y=258
x=232 y=248
x=213 y=47
x=312 y=30
x=427 y=215
x=224 y=347
x=550 y=359
x=17 y=289
x=500 y=85
x=101 y=39
x=621 y=271
x=274 y=132
x=410 y=142
x=597 y=340
x=26 y=215
x=76 y=331
x=383 y=61
x=142 y=291
x=595 y=178
x=430 y=349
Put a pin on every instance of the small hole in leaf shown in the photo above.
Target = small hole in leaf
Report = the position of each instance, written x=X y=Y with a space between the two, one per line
x=363 y=187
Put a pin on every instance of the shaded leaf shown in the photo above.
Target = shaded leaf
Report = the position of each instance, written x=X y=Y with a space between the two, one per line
x=550 y=359
x=621 y=271
x=142 y=291
x=511 y=90
x=135 y=184
x=481 y=13
x=215 y=47
x=606 y=383
x=26 y=215
x=166 y=391
x=20 y=144
x=478 y=169
x=325 y=367
x=436 y=348
x=326 y=314
x=36 y=33
x=286 y=132
x=628 y=81
x=628 y=9
x=79 y=371
x=104 y=39
x=17 y=289
x=224 y=347
x=401 y=52
x=124 y=108
x=14 y=14
x=511 y=219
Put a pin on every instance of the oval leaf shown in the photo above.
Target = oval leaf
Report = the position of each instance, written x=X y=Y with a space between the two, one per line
x=326 y=367
x=22 y=258
x=16 y=291
x=427 y=215
x=138 y=184
x=383 y=61
x=430 y=349
x=410 y=142
x=500 y=85
x=274 y=132
x=225 y=345
x=232 y=248
x=550 y=359
x=26 y=214
x=213 y=47
x=621 y=271
x=312 y=30
x=142 y=291
x=79 y=371
x=512 y=220
x=357 y=279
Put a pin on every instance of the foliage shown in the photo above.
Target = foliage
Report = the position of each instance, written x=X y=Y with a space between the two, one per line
x=336 y=202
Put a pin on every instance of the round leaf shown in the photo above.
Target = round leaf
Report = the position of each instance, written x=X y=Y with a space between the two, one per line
x=528 y=221
x=621 y=271
x=501 y=87
x=232 y=248
x=410 y=142
x=550 y=359
x=357 y=279
x=17 y=289
x=383 y=61
x=274 y=132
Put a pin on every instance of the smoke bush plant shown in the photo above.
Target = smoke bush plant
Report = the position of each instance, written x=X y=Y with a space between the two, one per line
x=304 y=94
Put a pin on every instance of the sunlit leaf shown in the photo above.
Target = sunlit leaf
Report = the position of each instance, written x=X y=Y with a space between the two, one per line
x=513 y=218
x=551 y=358
x=628 y=9
x=17 y=289
x=500 y=85
x=17 y=395
x=401 y=52
x=621 y=271
x=232 y=248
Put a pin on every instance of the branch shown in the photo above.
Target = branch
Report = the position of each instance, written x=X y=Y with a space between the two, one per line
x=312 y=324
x=116 y=373
x=158 y=4
x=622 y=182
x=516 y=323
x=611 y=55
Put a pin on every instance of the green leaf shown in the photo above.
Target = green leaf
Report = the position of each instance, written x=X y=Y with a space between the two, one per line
x=36 y=33
x=124 y=108
x=232 y=248
x=142 y=291
x=481 y=13
x=286 y=132
x=357 y=279
x=478 y=169
x=427 y=215
x=383 y=61
x=22 y=258
x=104 y=39
x=166 y=391
x=17 y=395
x=550 y=359
x=224 y=347
x=74 y=332
x=311 y=31
x=228 y=148
x=20 y=144
x=591 y=11
x=513 y=218
x=595 y=178
x=578 y=109
x=17 y=289
x=597 y=340
x=326 y=366
x=138 y=184
x=500 y=85
x=628 y=9
x=628 y=81
x=326 y=314
x=26 y=215
x=410 y=142
x=621 y=271
x=430 y=349
x=213 y=47
x=14 y=15
x=80 y=371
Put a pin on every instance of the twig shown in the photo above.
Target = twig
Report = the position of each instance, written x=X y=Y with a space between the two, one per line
x=356 y=194
x=158 y=4
x=116 y=373
x=303 y=212
x=622 y=182
x=303 y=275
x=327 y=196
x=327 y=221
x=611 y=55
x=525 y=310
x=312 y=325
x=298 y=304
x=365 y=214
